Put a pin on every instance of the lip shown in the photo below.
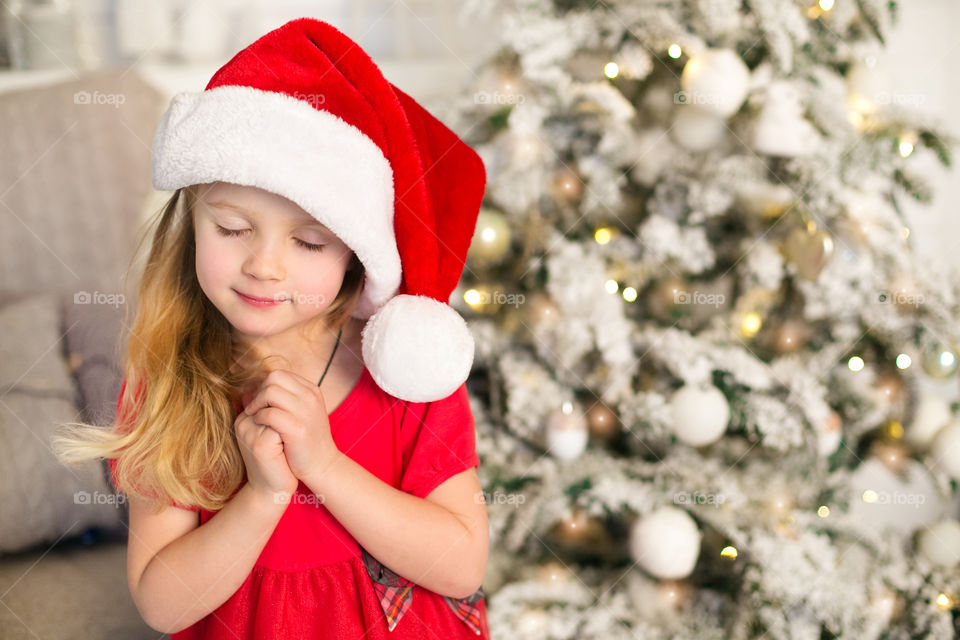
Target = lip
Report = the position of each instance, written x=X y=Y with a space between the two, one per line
x=258 y=302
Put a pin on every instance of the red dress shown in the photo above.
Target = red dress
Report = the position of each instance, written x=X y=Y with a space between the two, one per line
x=313 y=580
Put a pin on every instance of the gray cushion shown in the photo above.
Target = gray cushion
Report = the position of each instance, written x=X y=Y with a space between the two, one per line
x=74 y=177
x=96 y=336
x=42 y=501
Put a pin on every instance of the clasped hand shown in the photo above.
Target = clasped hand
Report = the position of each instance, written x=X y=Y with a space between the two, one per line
x=293 y=406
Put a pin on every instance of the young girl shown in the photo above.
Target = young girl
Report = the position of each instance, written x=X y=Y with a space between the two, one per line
x=293 y=429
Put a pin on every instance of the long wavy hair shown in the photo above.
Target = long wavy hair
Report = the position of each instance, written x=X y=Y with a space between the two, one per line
x=173 y=439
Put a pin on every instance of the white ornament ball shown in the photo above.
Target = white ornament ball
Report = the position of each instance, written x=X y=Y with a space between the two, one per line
x=940 y=543
x=946 y=449
x=567 y=434
x=700 y=415
x=697 y=130
x=666 y=543
x=716 y=81
x=931 y=414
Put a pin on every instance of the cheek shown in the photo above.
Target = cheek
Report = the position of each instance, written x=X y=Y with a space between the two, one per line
x=323 y=275
x=212 y=261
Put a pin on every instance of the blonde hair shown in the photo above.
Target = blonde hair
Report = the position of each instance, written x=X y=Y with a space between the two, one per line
x=175 y=442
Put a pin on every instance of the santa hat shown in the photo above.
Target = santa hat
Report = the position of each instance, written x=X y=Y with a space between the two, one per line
x=304 y=113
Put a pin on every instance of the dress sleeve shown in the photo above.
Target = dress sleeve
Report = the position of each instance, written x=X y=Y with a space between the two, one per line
x=123 y=425
x=438 y=442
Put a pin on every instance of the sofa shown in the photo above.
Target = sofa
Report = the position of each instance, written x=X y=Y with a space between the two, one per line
x=74 y=192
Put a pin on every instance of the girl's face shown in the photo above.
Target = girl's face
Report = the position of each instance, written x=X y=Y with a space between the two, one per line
x=253 y=243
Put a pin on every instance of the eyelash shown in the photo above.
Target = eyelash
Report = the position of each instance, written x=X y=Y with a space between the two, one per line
x=236 y=232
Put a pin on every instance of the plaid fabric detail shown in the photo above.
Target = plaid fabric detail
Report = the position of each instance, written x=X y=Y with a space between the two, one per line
x=396 y=593
x=467 y=610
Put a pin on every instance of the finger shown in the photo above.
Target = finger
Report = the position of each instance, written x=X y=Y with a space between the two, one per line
x=290 y=380
x=272 y=396
x=275 y=418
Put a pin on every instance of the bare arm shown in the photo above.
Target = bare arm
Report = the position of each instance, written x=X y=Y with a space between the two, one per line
x=440 y=542
x=177 y=578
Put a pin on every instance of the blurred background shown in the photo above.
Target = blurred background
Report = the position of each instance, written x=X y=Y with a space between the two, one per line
x=714 y=287
x=422 y=46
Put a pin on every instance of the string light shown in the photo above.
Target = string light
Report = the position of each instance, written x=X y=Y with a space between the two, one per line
x=729 y=552
x=674 y=51
x=611 y=286
x=751 y=324
x=904 y=361
x=602 y=235
x=826 y=5
x=855 y=363
x=629 y=294
x=944 y=601
x=893 y=429
x=869 y=496
x=611 y=69
x=823 y=511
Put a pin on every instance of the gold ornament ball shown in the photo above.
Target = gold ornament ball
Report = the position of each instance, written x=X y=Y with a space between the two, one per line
x=566 y=186
x=602 y=422
x=541 y=308
x=940 y=364
x=579 y=528
x=668 y=297
x=810 y=249
x=890 y=385
x=673 y=593
x=491 y=238
x=894 y=455
x=790 y=336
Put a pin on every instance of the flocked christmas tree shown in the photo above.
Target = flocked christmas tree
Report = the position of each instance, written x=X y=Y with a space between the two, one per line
x=702 y=327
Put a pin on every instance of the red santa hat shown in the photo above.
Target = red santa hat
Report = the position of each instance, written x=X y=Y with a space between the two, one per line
x=304 y=113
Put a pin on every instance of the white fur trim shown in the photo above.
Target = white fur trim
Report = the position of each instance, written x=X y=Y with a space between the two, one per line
x=282 y=144
x=418 y=348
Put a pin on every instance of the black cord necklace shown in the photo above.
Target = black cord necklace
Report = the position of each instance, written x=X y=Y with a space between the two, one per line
x=337 y=344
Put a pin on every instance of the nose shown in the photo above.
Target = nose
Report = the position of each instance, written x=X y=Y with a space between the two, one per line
x=264 y=260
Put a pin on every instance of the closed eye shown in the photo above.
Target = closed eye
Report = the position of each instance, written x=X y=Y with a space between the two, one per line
x=236 y=232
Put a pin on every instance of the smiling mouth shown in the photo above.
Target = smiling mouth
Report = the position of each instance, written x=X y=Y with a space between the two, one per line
x=260 y=301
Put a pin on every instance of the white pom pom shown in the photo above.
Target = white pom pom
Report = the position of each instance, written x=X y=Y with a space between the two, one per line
x=417 y=348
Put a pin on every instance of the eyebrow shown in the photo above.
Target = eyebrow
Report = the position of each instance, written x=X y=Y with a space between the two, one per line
x=227 y=205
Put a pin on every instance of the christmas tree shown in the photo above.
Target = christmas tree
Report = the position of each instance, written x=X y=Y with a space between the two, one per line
x=702 y=327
